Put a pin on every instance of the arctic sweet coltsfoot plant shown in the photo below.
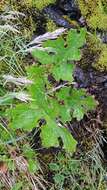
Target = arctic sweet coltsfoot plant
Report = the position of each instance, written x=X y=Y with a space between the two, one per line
x=56 y=105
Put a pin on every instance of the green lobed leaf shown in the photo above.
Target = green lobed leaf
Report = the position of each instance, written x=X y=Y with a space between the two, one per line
x=63 y=51
x=49 y=136
x=64 y=72
x=43 y=56
x=65 y=113
x=24 y=117
x=80 y=102
x=76 y=101
x=76 y=38
x=78 y=113
x=33 y=165
x=55 y=105
x=69 y=143
x=54 y=167
x=59 y=178
x=51 y=133
x=17 y=186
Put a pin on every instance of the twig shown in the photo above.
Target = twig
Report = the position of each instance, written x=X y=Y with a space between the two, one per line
x=48 y=35
x=18 y=81
x=57 y=88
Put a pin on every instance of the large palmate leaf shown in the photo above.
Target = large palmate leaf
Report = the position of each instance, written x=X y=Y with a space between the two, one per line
x=60 y=52
x=64 y=71
x=26 y=116
x=77 y=101
x=81 y=103
x=50 y=137
x=55 y=106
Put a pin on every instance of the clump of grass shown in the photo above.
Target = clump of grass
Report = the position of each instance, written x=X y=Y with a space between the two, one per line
x=77 y=174
x=17 y=170
x=11 y=46
x=19 y=166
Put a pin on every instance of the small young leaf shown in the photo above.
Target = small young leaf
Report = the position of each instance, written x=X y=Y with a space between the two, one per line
x=54 y=167
x=28 y=152
x=78 y=113
x=17 y=186
x=59 y=179
x=33 y=165
x=50 y=135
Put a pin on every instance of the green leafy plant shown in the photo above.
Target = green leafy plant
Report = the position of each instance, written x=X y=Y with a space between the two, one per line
x=59 y=53
x=17 y=186
x=56 y=105
x=74 y=173
x=33 y=164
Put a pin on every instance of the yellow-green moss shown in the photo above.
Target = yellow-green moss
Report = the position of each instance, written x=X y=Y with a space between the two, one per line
x=28 y=27
x=50 y=26
x=93 y=42
x=27 y=24
x=95 y=53
x=91 y=51
x=102 y=186
x=26 y=3
x=29 y=8
x=71 y=22
x=94 y=13
x=40 y=4
x=98 y=20
x=3 y=5
x=102 y=61
x=87 y=6
x=99 y=50
x=88 y=144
